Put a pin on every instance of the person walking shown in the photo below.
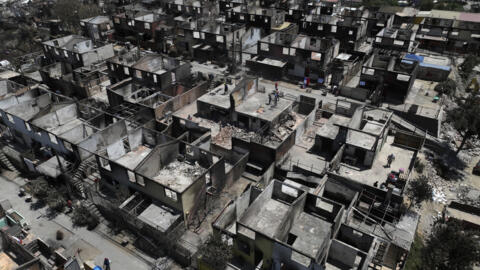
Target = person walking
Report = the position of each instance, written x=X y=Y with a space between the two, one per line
x=390 y=159
x=106 y=264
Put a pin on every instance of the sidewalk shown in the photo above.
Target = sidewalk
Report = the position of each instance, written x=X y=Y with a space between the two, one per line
x=93 y=245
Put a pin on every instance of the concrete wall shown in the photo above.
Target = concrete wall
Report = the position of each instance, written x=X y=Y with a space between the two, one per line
x=181 y=100
x=103 y=138
x=355 y=238
x=430 y=124
x=355 y=93
x=283 y=148
x=344 y=254
x=97 y=55
x=193 y=199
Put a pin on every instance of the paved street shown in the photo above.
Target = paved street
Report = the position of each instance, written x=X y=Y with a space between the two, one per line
x=93 y=246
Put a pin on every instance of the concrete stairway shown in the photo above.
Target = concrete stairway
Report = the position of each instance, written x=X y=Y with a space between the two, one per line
x=77 y=179
x=6 y=162
x=377 y=260
x=252 y=172
x=32 y=247
x=429 y=139
x=94 y=210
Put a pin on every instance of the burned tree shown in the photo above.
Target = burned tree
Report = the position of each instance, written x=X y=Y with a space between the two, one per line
x=464 y=118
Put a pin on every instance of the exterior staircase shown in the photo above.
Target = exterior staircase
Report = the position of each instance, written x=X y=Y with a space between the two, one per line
x=94 y=210
x=377 y=260
x=77 y=179
x=6 y=162
x=32 y=247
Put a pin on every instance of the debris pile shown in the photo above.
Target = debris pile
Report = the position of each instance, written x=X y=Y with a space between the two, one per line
x=439 y=196
x=283 y=128
x=181 y=170
x=225 y=134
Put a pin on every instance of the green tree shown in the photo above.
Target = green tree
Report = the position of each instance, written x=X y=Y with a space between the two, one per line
x=450 y=247
x=419 y=190
x=465 y=118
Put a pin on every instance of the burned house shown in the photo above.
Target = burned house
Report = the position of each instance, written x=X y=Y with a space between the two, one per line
x=341 y=134
x=253 y=16
x=376 y=21
x=82 y=82
x=433 y=34
x=396 y=39
x=205 y=39
x=76 y=51
x=44 y=128
x=138 y=163
x=361 y=131
x=225 y=5
x=253 y=121
x=388 y=78
x=345 y=68
x=137 y=26
x=281 y=54
x=97 y=28
x=152 y=101
x=284 y=226
x=187 y=7
x=350 y=31
x=449 y=31
x=147 y=68
x=465 y=34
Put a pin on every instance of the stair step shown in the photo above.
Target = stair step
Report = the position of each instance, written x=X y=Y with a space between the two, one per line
x=255 y=167
x=250 y=176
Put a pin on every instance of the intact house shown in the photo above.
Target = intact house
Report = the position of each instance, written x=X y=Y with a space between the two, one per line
x=396 y=39
x=204 y=39
x=147 y=68
x=281 y=54
x=76 y=51
x=253 y=16
x=97 y=28
x=388 y=78
x=285 y=226
x=350 y=31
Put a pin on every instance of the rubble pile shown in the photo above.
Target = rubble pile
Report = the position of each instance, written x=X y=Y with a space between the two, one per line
x=468 y=195
x=181 y=169
x=225 y=134
x=285 y=127
x=447 y=187
x=453 y=139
